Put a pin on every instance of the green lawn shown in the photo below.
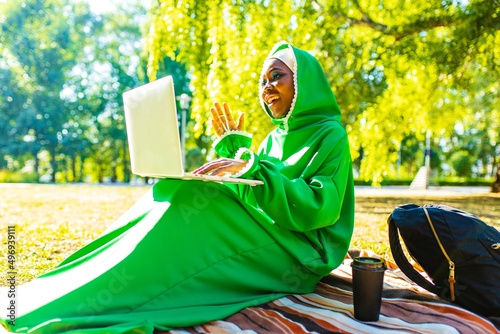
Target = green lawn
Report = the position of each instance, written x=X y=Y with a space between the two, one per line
x=52 y=221
x=371 y=231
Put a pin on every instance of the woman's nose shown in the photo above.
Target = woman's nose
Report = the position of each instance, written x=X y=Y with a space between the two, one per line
x=268 y=86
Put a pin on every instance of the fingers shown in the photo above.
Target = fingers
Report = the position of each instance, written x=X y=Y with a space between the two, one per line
x=231 y=167
x=221 y=172
x=224 y=116
x=215 y=117
x=217 y=128
x=221 y=117
x=241 y=122
x=210 y=166
x=220 y=167
x=197 y=170
x=229 y=118
x=226 y=170
x=222 y=120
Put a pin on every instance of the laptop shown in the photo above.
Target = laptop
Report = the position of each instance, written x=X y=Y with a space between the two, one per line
x=153 y=134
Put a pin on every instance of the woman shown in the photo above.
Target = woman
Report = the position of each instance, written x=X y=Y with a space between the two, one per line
x=189 y=252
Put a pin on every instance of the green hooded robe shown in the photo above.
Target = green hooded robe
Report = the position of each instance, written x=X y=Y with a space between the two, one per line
x=189 y=251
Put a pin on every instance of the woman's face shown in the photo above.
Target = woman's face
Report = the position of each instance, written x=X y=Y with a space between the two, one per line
x=277 y=87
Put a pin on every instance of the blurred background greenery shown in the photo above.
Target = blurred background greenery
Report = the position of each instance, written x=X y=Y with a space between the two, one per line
x=399 y=69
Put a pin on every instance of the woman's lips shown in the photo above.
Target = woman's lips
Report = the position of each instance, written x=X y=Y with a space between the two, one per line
x=272 y=100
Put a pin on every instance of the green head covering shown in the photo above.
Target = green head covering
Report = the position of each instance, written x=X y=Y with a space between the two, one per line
x=313 y=100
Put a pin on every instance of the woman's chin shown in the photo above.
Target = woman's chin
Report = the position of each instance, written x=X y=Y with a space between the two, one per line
x=278 y=113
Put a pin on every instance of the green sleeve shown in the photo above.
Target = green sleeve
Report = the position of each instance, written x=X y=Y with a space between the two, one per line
x=228 y=144
x=297 y=204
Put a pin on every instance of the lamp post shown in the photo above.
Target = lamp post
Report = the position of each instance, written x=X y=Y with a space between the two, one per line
x=184 y=100
x=427 y=157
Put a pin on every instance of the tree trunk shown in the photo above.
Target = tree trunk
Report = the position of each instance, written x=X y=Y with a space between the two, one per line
x=80 y=173
x=113 y=173
x=37 y=164
x=76 y=177
x=100 y=174
x=73 y=167
x=126 y=163
x=495 y=187
x=53 y=164
x=114 y=165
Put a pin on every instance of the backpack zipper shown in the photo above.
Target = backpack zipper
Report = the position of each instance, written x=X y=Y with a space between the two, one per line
x=451 y=277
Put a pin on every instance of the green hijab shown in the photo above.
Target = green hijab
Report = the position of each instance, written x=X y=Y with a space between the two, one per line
x=314 y=101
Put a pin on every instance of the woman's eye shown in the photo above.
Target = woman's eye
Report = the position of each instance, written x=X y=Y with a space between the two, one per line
x=263 y=82
x=276 y=76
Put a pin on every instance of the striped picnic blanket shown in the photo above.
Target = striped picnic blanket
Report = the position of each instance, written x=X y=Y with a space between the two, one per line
x=406 y=308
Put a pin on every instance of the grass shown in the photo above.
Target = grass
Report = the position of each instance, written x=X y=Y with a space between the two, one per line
x=371 y=229
x=53 y=221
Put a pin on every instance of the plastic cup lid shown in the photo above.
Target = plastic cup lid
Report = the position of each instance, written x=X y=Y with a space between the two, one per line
x=370 y=262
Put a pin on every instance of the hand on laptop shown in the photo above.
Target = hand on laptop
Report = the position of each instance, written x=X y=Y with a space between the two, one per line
x=222 y=166
x=222 y=121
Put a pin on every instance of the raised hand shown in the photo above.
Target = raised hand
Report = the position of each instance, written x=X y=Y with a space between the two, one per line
x=222 y=121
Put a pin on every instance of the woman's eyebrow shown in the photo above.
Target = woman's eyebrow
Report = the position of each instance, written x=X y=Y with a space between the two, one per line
x=275 y=68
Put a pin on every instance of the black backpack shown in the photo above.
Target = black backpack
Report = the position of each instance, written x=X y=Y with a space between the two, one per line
x=455 y=248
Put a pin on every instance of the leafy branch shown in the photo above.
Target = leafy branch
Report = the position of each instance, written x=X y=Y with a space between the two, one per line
x=398 y=32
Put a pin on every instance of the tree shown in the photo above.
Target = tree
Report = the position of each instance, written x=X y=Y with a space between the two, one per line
x=461 y=162
x=397 y=68
x=41 y=40
x=63 y=71
x=111 y=66
x=117 y=50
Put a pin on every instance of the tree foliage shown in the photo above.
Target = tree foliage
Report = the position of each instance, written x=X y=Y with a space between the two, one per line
x=62 y=74
x=397 y=68
x=38 y=55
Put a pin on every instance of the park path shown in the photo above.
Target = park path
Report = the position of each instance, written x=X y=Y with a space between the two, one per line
x=407 y=192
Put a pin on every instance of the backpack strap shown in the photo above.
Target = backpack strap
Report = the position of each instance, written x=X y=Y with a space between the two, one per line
x=451 y=277
x=404 y=264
